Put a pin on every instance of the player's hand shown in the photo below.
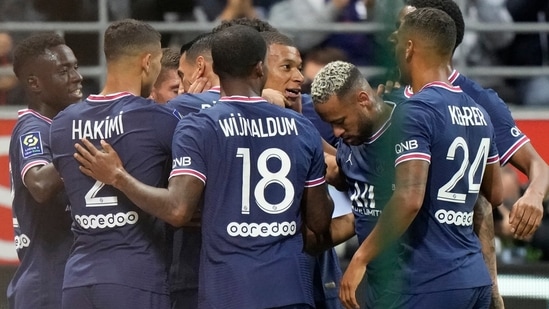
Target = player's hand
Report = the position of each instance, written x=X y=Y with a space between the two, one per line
x=349 y=283
x=200 y=85
x=276 y=97
x=525 y=216
x=102 y=165
x=387 y=88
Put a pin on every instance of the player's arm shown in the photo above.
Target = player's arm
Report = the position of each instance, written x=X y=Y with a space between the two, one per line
x=342 y=229
x=175 y=204
x=334 y=176
x=317 y=208
x=492 y=186
x=398 y=214
x=43 y=182
x=527 y=212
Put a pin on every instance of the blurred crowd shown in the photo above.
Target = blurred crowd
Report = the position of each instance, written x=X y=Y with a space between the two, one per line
x=503 y=48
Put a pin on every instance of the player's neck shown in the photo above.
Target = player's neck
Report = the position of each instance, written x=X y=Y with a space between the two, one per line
x=120 y=83
x=428 y=75
x=238 y=87
x=43 y=109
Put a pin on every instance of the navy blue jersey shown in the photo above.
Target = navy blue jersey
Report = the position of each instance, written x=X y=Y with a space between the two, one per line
x=369 y=173
x=445 y=127
x=255 y=160
x=193 y=102
x=509 y=138
x=187 y=240
x=115 y=242
x=43 y=234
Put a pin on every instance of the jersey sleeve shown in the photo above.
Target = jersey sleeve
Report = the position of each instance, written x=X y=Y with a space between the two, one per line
x=317 y=171
x=509 y=139
x=412 y=132
x=188 y=148
x=34 y=146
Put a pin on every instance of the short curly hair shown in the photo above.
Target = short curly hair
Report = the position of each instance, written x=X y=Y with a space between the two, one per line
x=450 y=7
x=33 y=47
x=336 y=78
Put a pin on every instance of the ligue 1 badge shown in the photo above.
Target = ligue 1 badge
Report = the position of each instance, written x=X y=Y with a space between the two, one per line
x=31 y=144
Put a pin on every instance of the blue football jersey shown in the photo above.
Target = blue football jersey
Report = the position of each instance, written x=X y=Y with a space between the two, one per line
x=369 y=173
x=43 y=234
x=193 y=102
x=509 y=138
x=115 y=242
x=445 y=127
x=187 y=241
x=255 y=160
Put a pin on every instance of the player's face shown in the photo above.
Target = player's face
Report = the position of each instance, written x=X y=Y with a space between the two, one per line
x=348 y=118
x=166 y=86
x=186 y=70
x=407 y=9
x=284 y=71
x=57 y=76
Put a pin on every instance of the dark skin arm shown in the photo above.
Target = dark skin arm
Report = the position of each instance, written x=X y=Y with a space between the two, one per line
x=317 y=208
x=341 y=229
x=43 y=182
x=175 y=204
x=398 y=214
x=527 y=212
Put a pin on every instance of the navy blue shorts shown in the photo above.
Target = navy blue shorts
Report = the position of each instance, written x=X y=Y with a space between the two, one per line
x=474 y=298
x=113 y=296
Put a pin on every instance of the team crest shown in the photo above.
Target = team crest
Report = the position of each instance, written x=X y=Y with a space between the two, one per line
x=31 y=144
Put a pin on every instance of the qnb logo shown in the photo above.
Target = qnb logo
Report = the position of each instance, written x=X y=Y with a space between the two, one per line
x=21 y=241
x=235 y=229
x=107 y=221
x=454 y=217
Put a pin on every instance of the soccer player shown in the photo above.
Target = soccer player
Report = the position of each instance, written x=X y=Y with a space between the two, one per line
x=443 y=158
x=361 y=120
x=166 y=86
x=47 y=68
x=252 y=223
x=119 y=257
x=513 y=146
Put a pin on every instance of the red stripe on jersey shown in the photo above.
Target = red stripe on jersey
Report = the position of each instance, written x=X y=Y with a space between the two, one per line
x=413 y=156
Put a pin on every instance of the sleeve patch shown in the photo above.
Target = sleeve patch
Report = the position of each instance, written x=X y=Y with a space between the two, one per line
x=31 y=144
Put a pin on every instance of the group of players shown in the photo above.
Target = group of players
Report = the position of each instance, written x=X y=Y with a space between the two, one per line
x=242 y=182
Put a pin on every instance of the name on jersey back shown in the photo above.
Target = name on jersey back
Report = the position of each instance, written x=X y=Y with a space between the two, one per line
x=98 y=129
x=236 y=125
x=466 y=116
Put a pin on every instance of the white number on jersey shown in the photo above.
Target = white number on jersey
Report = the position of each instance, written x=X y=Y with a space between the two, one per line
x=364 y=198
x=93 y=201
x=445 y=192
x=267 y=178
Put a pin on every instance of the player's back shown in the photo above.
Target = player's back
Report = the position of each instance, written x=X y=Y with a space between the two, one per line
x=115 y=241
x=43 y=236
x=256 y=162
x=445 y=127
x=193 y=102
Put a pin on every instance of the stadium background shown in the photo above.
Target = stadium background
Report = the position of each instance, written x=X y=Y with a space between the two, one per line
x=523 y=286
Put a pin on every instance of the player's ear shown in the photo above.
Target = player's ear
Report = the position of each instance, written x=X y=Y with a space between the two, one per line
x=146 y=62
x=363 y=98
x=409 y=50
x=258 y=69
x=33 y=83
x=200 y=66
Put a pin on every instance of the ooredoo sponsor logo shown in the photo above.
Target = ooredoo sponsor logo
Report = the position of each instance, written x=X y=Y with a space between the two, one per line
x=21 y=241
x=261 y=229
x=454 y=217
x=106 y=221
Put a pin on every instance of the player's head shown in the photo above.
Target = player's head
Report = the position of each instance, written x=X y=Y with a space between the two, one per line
x=47 y=68
x=257 y=24
x=136 y=45
x=284 y=63
x=238 y=53
x=450 y=7
x=167 y=83
x=426 y=35
x=315 y=60
x=196 y=60
x=343 y=98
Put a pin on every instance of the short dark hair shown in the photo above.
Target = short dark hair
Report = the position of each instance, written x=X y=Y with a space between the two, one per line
x=202 y=46
x=33 y=47
x=275 y=37
x=129 y=37
x=450 y=7
x=185 y=47
x=432 y=25
x=170 y=58
x=257 y=24
x=236 y=50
